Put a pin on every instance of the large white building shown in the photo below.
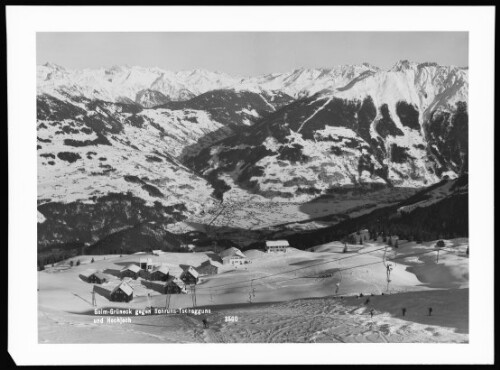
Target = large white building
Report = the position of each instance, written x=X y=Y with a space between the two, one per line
x=233 y=256
x=276 y=246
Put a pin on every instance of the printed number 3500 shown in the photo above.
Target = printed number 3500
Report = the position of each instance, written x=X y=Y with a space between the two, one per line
x=231 y=318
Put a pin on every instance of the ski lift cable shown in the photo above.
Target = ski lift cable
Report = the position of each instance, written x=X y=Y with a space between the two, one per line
x=299 y=268
x=321 y=263
x=304 y=267
x=344 y=269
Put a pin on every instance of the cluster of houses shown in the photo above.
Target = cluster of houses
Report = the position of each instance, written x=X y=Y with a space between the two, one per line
x=158 y=277
x=155 y=277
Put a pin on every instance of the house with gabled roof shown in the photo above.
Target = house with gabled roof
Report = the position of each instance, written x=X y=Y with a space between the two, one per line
x=93 y=277
x=209 y=267
x=233 y=256
x=190 y=275
x=159 y=273
x=122 y=293
x=131 y=271
x=174 y=286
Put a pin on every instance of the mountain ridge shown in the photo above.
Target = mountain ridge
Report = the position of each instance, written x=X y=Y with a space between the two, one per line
x=117 y=82
x=176 y=143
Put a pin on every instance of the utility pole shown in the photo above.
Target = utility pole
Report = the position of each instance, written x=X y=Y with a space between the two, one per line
x=193 y=294
x=388 y=268
x=337 y=285
x=251 y=293
x=93 y=297
x=167 y=301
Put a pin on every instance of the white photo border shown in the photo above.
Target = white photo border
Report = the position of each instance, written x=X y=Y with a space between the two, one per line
x=23 y=22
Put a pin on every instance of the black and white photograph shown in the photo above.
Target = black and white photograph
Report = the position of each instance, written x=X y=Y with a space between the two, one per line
x=235 y=186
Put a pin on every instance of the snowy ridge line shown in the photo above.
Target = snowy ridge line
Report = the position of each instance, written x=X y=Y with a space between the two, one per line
x=319 y=264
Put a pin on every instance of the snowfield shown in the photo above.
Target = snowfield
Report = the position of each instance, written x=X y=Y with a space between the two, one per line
x=300 y=296
x=148 y=153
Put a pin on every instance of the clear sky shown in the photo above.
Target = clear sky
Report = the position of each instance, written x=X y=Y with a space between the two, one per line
x=249 y=53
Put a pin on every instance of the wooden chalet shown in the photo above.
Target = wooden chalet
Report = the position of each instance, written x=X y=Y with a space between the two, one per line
x=190 y=276
x=174 y=286
x=93 y=277
x=160 y=273
x=132 y=271
x=209 y=267
x=122 y=293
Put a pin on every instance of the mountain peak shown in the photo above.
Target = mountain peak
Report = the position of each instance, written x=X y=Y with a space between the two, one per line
x=403 y=65
x=370 y=66
x=54 y=66
x=117 y=68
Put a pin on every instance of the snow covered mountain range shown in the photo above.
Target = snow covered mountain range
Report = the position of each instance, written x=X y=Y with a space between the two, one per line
x=115 y=141
x=421 y=83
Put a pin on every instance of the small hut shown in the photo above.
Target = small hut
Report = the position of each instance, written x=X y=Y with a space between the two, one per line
x=99 y=278
x=190 y=275
x=131 y=271
x=122 y=293
x=93 y=276
x=86 y=275
x=174 y=286
x=157 y=286
x=159 y=273
x=209 y=267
